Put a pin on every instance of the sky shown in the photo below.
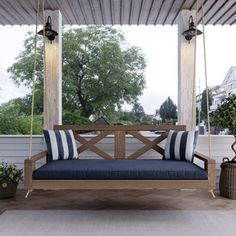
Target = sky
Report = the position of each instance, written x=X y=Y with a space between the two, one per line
x=159 y=46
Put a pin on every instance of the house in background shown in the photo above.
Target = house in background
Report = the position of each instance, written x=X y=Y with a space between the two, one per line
x=229 y=83
x=220 y=92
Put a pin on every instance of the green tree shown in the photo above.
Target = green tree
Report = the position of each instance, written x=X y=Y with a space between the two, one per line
x=204 y=104
x=25 y=104
x=12 y=121
x=168 y=110
x=225 y=117
x=100 y=70
x=74 y=118
x=124 y=117
x=138 y=111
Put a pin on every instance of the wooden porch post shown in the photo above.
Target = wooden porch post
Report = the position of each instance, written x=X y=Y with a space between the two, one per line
x=186 y=100
x=53 y=74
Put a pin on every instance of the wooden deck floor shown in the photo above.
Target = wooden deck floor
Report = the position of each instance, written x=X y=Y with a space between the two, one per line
x=117 y=200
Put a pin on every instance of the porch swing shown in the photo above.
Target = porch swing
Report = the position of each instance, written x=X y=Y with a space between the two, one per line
x=122 y=171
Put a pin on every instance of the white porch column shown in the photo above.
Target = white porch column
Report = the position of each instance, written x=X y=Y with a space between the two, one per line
x=186 y=100
x=53 y=74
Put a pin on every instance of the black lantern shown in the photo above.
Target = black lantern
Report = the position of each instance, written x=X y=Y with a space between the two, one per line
x=49 y=33
x=192 y=31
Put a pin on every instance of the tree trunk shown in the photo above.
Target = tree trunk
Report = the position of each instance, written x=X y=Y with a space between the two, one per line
x=86 y=111
x=233 y=148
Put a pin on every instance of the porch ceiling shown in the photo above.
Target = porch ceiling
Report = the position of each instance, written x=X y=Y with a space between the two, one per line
x=120 y=12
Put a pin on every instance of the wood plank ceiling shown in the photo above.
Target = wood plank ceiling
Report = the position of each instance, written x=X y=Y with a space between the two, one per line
x=118 y=12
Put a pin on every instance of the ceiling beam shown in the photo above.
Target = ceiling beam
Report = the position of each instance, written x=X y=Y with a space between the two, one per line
x=159 y=12
x=217 y=11
x=173 y=1
x=177 y=13
x=225 y=13
x=112 y=12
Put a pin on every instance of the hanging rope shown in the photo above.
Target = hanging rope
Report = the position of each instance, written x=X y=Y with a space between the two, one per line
x=194 y=74
x=44 y=53
x=34 y=71
x=34 y=79
x=206 y=80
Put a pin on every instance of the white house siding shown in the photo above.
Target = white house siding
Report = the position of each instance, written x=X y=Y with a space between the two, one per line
x=16 y=148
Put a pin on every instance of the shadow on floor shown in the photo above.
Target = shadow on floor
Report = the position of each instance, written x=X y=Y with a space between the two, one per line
x=117 y=200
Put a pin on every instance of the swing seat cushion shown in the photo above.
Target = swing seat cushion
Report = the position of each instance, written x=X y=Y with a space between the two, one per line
x=119 y=170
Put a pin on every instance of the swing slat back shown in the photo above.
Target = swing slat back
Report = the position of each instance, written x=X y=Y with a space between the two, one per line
x=120 y=133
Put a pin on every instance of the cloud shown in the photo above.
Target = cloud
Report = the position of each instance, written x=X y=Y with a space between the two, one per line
x=8 y=89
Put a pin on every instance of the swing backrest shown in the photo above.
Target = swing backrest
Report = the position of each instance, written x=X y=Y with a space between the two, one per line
x=119 y=133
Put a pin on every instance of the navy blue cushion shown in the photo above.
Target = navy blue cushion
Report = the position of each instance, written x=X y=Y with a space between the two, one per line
x=120 y=169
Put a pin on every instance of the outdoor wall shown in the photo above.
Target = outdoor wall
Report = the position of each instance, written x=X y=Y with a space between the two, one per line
x=15 y=148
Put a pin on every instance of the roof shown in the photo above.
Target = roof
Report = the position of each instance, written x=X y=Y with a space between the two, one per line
x=230 y=77
x=111 y=12
x=101 y=121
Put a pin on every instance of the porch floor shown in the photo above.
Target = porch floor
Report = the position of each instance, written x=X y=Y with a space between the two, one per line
x=117 y=200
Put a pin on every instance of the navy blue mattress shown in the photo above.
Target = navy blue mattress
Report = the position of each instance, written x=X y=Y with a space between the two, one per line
x=119 y=170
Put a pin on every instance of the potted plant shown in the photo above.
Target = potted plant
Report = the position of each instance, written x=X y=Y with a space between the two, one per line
x=225 y=117
x=9 y=179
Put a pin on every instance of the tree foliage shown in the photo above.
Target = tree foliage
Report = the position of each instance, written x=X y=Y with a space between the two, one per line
x=135 y=116
x=225 y=115
x=203 y=113
x=100 y=71
x=138 y=112
x=14 y=121
x=168 y=110
x=74 y=118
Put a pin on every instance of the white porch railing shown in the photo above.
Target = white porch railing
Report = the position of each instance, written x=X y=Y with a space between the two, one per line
x=15 y=148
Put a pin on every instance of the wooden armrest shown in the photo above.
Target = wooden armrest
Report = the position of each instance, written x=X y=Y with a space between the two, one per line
x=210 y=167
x=30 y=164
x=204 y=158
x=38 y=156
x=207 y=161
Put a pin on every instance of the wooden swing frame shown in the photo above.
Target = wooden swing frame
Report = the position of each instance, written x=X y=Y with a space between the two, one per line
x=119 y=133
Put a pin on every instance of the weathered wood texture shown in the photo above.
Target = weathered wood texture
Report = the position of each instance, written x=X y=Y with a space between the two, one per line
x=186 y=83
x=119 y=184
x=120 y=133
x=120 y=152
x=120 y=127
x=16 y=148
x=53 y=74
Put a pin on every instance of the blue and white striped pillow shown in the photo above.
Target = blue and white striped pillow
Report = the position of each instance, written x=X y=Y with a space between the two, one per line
x=180 y=145
x=60 y=144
